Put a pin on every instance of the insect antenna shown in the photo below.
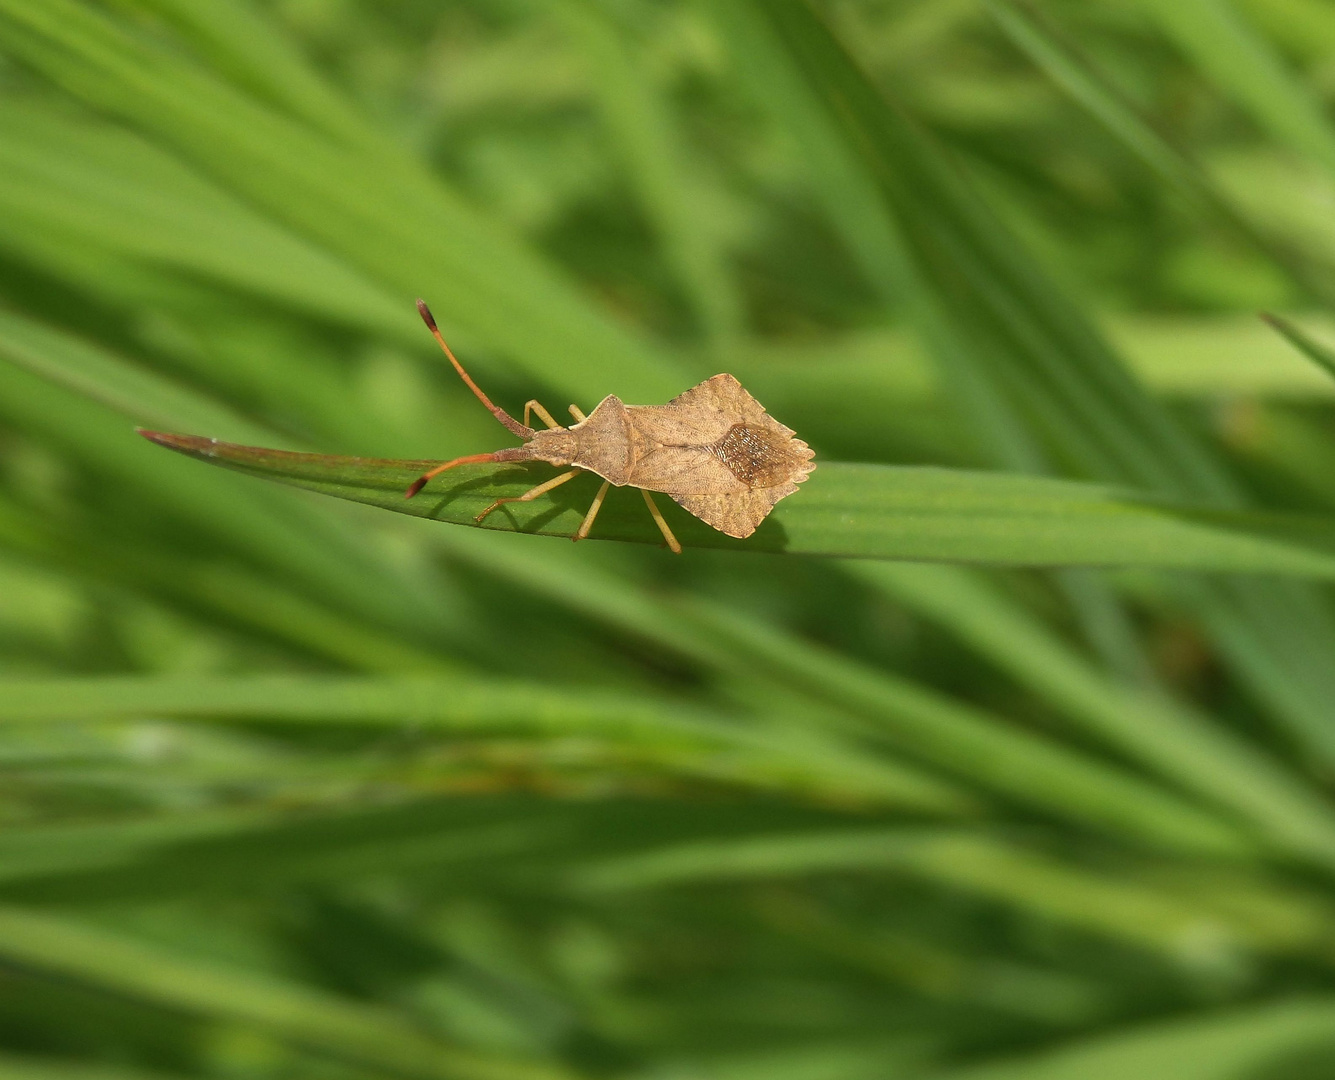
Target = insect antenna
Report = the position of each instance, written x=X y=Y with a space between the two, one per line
x=470 y=459
x=504 y=417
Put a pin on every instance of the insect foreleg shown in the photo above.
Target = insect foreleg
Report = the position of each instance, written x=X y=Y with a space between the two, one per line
x=532 y=493
x=587 y=523
x=662 y=525
x=533 y=406
x=577 y=413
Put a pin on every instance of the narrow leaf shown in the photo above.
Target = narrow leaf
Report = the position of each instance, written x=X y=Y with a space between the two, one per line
x=863 y=511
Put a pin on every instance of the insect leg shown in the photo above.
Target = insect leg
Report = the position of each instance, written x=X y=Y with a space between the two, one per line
x=532 y=493
x=532 y=406
x=587 y=523
x=662 y=525
x=577 y=413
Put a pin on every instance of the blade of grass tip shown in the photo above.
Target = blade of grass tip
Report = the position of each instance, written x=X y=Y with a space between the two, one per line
x=1133 y=913
x=1249 y=70
x=352 y=1031
x=639 y=118
x=1220 y=1046
x=1169 y=737
x=1319 y=354
x=466 y=704
x=1048 y=360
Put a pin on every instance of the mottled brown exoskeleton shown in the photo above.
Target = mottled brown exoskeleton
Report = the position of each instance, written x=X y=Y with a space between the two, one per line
x=714 y=450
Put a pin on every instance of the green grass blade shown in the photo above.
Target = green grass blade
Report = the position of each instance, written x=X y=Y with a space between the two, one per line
x=13 y=1067
x=1076 y=76
x=386 y=215
x=639 y=119
x=243 y=41
x=1034 y=353
x=1170 y=738
x=357 y=1032
x=292 y=540
x=1149 y=917
x=1321 y=355
x=687 y=739
x=109 y=188
x=94 y=373
x=1239 y=1042
x=864 y=511
x=1245 y=66
x=969 y=741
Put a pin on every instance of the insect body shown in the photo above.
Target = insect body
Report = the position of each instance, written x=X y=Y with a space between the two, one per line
x=714 y=450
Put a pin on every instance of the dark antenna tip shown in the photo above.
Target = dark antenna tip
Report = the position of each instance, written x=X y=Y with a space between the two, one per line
x=425 y=312
x=416 y=486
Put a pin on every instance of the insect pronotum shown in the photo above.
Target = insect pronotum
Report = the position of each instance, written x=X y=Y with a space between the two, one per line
x=714 y=450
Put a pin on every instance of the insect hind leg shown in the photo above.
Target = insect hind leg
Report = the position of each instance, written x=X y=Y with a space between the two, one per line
x=672 y=541
x=587 y=523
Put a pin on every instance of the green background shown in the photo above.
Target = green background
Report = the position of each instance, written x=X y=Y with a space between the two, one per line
x=292 y=787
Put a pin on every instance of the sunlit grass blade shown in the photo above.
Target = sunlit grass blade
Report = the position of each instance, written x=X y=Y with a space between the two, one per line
x=865 y=511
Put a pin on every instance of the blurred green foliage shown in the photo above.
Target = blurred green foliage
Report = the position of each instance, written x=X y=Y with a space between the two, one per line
x=292 y=788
